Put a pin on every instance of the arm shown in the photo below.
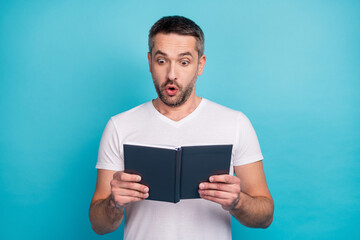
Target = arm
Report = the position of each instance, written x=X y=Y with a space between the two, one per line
x=245 y=195
x=255 y=207
x=114 y=190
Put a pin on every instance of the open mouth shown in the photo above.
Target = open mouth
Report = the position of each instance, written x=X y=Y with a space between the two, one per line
x=171 y=90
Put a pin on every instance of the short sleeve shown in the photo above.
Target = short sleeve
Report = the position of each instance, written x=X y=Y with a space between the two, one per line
x=109 y=149
x=247 y=147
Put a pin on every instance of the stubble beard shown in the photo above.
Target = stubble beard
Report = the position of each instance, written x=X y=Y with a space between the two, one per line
x=180 y=98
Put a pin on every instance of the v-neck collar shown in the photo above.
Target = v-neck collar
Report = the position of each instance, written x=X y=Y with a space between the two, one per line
x=181 y=121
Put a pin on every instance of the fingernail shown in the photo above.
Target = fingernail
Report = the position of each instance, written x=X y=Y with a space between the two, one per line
x=201 y=186
x=138 y=178
x=146 y=195
x=211 y=179
x=146 y=189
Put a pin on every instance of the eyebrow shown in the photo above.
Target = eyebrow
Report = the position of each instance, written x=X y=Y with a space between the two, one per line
x=158 y=52
x=185 y=54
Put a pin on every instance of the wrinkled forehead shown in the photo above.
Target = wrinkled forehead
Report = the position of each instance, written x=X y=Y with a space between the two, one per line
x=174 y=44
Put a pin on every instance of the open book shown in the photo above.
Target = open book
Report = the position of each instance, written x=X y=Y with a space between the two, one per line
x=174 y=173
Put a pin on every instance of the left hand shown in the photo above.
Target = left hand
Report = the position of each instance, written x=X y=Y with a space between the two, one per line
x=223 y=189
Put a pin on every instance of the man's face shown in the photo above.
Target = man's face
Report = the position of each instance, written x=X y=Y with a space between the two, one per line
x=174 y=66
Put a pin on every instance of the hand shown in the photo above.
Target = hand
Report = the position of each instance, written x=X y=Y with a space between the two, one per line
x=222 y=189
x=126 y=189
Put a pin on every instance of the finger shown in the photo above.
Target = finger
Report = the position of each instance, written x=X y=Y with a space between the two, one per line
x=121 y=201
x=126 y=177
x=220 y=186
x=115 y=184
x=129 y=193
x=225 y=178
x=218 y=194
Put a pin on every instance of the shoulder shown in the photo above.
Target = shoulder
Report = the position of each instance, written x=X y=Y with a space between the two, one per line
x=134 y=114
x=222 y=111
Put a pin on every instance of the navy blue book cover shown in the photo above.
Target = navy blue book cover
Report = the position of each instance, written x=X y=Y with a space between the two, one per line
x=175 y=173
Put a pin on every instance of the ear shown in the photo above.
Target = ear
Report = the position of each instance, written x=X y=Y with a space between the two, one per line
x=202 y=62
x=149 y=59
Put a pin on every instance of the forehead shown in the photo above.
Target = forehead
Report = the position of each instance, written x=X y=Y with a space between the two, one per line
x=174 y=43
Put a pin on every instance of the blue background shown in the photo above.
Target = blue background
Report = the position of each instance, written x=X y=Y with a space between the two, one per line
x=292 y=67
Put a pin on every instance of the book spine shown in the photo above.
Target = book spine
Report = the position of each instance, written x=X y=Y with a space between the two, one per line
x=177 y=175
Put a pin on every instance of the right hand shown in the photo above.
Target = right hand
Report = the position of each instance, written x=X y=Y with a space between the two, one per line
x=125 y=189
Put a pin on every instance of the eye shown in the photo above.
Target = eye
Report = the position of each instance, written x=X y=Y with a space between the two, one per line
x=184 y=62
x=160 y=61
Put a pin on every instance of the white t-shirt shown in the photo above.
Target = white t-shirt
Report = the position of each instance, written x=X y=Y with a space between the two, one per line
x=208 y=124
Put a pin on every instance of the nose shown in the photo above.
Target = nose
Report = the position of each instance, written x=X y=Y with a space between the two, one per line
x=172 y=72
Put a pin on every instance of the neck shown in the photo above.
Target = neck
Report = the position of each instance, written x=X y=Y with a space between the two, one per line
x=180 y=112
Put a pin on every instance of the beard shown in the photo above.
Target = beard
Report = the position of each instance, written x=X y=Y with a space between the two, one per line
x=180 y=97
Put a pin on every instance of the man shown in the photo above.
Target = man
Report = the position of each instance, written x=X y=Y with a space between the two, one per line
x=179 y=117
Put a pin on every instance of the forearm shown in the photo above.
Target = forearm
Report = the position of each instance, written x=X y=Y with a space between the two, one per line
x=256 y=212
x=104 y=216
